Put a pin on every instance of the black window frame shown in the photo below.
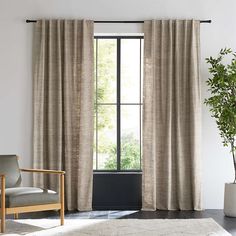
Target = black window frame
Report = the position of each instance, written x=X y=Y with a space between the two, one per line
x=118 y=103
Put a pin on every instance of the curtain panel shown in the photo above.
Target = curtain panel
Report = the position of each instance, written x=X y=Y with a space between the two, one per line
x=63 y=107
x=171 y=116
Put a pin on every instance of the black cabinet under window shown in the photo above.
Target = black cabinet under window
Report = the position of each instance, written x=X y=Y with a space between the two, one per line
x=117 y=191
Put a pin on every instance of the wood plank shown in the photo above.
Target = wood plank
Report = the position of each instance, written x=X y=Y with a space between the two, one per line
x=62 y=199
x=24 y=209
x=3 y=209
x=44 y=171
x=16 y=216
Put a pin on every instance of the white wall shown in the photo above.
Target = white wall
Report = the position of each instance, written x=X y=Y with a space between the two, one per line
x=15 y=67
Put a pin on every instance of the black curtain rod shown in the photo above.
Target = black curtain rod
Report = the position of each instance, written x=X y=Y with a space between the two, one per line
x=102 y=21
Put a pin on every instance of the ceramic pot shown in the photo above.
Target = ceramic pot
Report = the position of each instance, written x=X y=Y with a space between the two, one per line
x=230 y=200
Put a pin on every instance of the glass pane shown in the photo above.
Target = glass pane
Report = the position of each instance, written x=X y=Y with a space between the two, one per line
x=106 y=71
x=141 y=135
x=141 y=90
x=95 y=68
x=94 y=143
x=130 y=70
x=130 y=137
x=106 y=143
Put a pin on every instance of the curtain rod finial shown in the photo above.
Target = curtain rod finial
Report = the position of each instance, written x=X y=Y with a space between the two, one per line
x=30 y=21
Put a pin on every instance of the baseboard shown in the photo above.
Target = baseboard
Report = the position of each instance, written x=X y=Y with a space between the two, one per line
x=109 y=208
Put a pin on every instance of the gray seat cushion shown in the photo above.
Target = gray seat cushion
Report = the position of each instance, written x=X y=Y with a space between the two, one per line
x=28 y=196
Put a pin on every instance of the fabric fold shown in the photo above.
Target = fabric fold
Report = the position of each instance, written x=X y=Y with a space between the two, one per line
x=63 y=107
x=171 y=116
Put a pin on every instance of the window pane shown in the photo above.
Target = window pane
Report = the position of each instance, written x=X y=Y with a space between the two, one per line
x=130 y=137
x=141 y=90
x=106 y=143
x=130 y=70
x=106 y=71
x=95 y=143
x=95 y=68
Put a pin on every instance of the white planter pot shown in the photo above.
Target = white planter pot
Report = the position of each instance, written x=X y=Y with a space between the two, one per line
x=230 y=200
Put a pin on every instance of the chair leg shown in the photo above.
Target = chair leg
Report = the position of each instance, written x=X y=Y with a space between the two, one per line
x=62 y=199
x=62 y=216
x=16 y=216
x=3 y=210
x=3 y=220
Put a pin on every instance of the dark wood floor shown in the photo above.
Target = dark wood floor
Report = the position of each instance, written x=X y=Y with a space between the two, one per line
x=226 y=222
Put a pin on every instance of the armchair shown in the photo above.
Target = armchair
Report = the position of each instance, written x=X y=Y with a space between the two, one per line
x=16 y=199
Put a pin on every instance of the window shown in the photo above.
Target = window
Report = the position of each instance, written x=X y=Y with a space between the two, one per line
x=118 y=103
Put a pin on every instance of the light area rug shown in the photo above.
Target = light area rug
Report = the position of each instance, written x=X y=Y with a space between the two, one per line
x=115 y=227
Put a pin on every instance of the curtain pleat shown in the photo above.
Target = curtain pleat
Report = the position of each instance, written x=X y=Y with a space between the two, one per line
x=63 y=107
x=171 y=116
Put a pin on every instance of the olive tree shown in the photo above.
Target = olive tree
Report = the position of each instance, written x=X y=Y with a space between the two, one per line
x=222 y=102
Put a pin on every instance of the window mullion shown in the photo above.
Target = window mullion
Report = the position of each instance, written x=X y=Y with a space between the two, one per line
x=118 y=104
x=96 y=104
x=140 y=101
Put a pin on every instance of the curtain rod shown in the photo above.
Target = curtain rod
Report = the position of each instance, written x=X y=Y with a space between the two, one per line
x=101 y=21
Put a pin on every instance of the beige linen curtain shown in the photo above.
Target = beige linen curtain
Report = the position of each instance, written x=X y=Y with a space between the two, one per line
x=63 y=107
x=171 y=116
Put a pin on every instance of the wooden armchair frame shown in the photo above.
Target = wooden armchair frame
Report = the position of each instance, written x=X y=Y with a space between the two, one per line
x=44 y=207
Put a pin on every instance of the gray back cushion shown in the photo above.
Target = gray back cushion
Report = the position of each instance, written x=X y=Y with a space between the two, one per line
x=9 y=166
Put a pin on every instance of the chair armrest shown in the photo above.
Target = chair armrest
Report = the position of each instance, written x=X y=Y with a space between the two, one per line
x=58 y=172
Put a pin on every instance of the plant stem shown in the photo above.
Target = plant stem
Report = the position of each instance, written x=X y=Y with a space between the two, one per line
x=234 y=160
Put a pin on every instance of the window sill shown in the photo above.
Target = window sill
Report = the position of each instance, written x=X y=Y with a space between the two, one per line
x=118 y=172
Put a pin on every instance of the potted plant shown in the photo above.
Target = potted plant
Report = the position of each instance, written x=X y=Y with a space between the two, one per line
x=222 y=103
